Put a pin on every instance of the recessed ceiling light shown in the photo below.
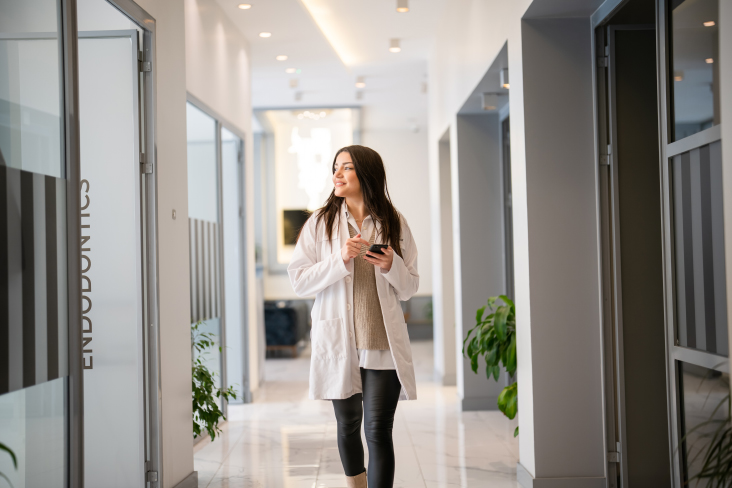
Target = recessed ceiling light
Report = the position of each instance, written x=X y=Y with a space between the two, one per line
x=290 y=70
x=709 y=60
x=265 y=34
x=360 y=83
x=245 y=6
x=282 y=57
x=402 y=6
x=679 y=75
x=394 y=46
x=710 y=23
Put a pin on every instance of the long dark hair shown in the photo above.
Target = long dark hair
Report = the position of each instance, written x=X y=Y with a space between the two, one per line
x=372 y=177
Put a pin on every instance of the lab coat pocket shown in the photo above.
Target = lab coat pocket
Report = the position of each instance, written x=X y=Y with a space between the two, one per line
x=330 y=339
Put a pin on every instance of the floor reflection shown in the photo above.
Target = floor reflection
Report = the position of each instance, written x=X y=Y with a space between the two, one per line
x=285 y=440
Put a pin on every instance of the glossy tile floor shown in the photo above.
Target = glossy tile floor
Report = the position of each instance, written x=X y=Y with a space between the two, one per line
x=285 y=440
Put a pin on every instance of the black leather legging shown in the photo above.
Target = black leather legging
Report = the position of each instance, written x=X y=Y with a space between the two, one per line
x=377 y=405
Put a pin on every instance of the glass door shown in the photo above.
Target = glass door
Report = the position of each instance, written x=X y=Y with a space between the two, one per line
x=696 y=304
x=204 y=224
x=232 y=193
x=112 y=286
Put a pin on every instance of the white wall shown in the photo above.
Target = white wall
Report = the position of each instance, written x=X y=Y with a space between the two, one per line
x=444 y=272
x=218 y=74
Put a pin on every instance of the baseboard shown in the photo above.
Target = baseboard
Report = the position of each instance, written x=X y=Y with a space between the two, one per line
x=524 y=478
x=190 y=481
x=480 y=403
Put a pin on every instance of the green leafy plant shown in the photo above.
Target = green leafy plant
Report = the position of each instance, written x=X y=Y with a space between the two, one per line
x=494 y=338
x=206 y=411
x=715 y=434
x=5 y=448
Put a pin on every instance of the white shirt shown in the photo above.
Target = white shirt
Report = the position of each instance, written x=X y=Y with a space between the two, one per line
x=371 y=358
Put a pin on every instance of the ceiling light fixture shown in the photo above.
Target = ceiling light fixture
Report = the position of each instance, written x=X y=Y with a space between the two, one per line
x=504 y=78
x=265 y=34
x=307 y=114
x=394 y=46
x=710 y=23
x=402 y=6
x=245 y=6
x=281 y=57
x=709 y=60
x=293 y=83
x=678 y=75
x=289 y=71
x=360 y=83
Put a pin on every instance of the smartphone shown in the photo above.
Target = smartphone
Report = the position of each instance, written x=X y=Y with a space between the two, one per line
x=376 y=248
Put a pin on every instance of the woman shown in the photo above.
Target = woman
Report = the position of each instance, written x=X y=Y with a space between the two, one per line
x=361 y=357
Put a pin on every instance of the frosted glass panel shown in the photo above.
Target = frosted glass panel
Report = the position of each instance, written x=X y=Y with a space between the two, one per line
x=111 y=262
x=30 y=104
x=33 y=424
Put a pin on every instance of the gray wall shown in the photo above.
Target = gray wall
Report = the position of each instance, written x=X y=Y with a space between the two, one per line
x=478 y=243
x=563 y=252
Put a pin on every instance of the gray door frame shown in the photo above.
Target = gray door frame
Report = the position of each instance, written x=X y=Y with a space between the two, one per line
x=70 y=77
x=151 y=314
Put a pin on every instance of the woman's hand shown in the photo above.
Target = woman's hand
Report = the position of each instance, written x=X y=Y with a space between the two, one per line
x=352 y=248
x=382 y=261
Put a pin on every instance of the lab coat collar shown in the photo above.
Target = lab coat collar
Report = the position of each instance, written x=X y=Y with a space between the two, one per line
x=345 y=214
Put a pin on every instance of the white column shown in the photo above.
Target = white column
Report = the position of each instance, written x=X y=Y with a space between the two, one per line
x=557 y=255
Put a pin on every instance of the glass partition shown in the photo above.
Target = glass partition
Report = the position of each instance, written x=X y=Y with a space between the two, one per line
x=695 y=66
x=34 y=348
x=232 y=148
x=704 y=413
x=204 y=226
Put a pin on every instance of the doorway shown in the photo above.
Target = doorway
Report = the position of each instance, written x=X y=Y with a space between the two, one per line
x=629 y=178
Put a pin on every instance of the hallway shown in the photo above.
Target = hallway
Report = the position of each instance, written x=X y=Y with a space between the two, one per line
x=285 y=440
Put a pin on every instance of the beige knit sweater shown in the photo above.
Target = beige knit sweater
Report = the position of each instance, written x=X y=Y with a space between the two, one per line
x=367 y=317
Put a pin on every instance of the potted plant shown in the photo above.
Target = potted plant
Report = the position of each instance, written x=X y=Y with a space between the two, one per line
x=494 y=338
x=206 y=411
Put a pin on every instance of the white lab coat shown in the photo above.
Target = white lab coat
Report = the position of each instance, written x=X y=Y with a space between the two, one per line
x=317 y=268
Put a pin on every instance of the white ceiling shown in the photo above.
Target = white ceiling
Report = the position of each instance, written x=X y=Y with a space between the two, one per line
x=307 y=30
